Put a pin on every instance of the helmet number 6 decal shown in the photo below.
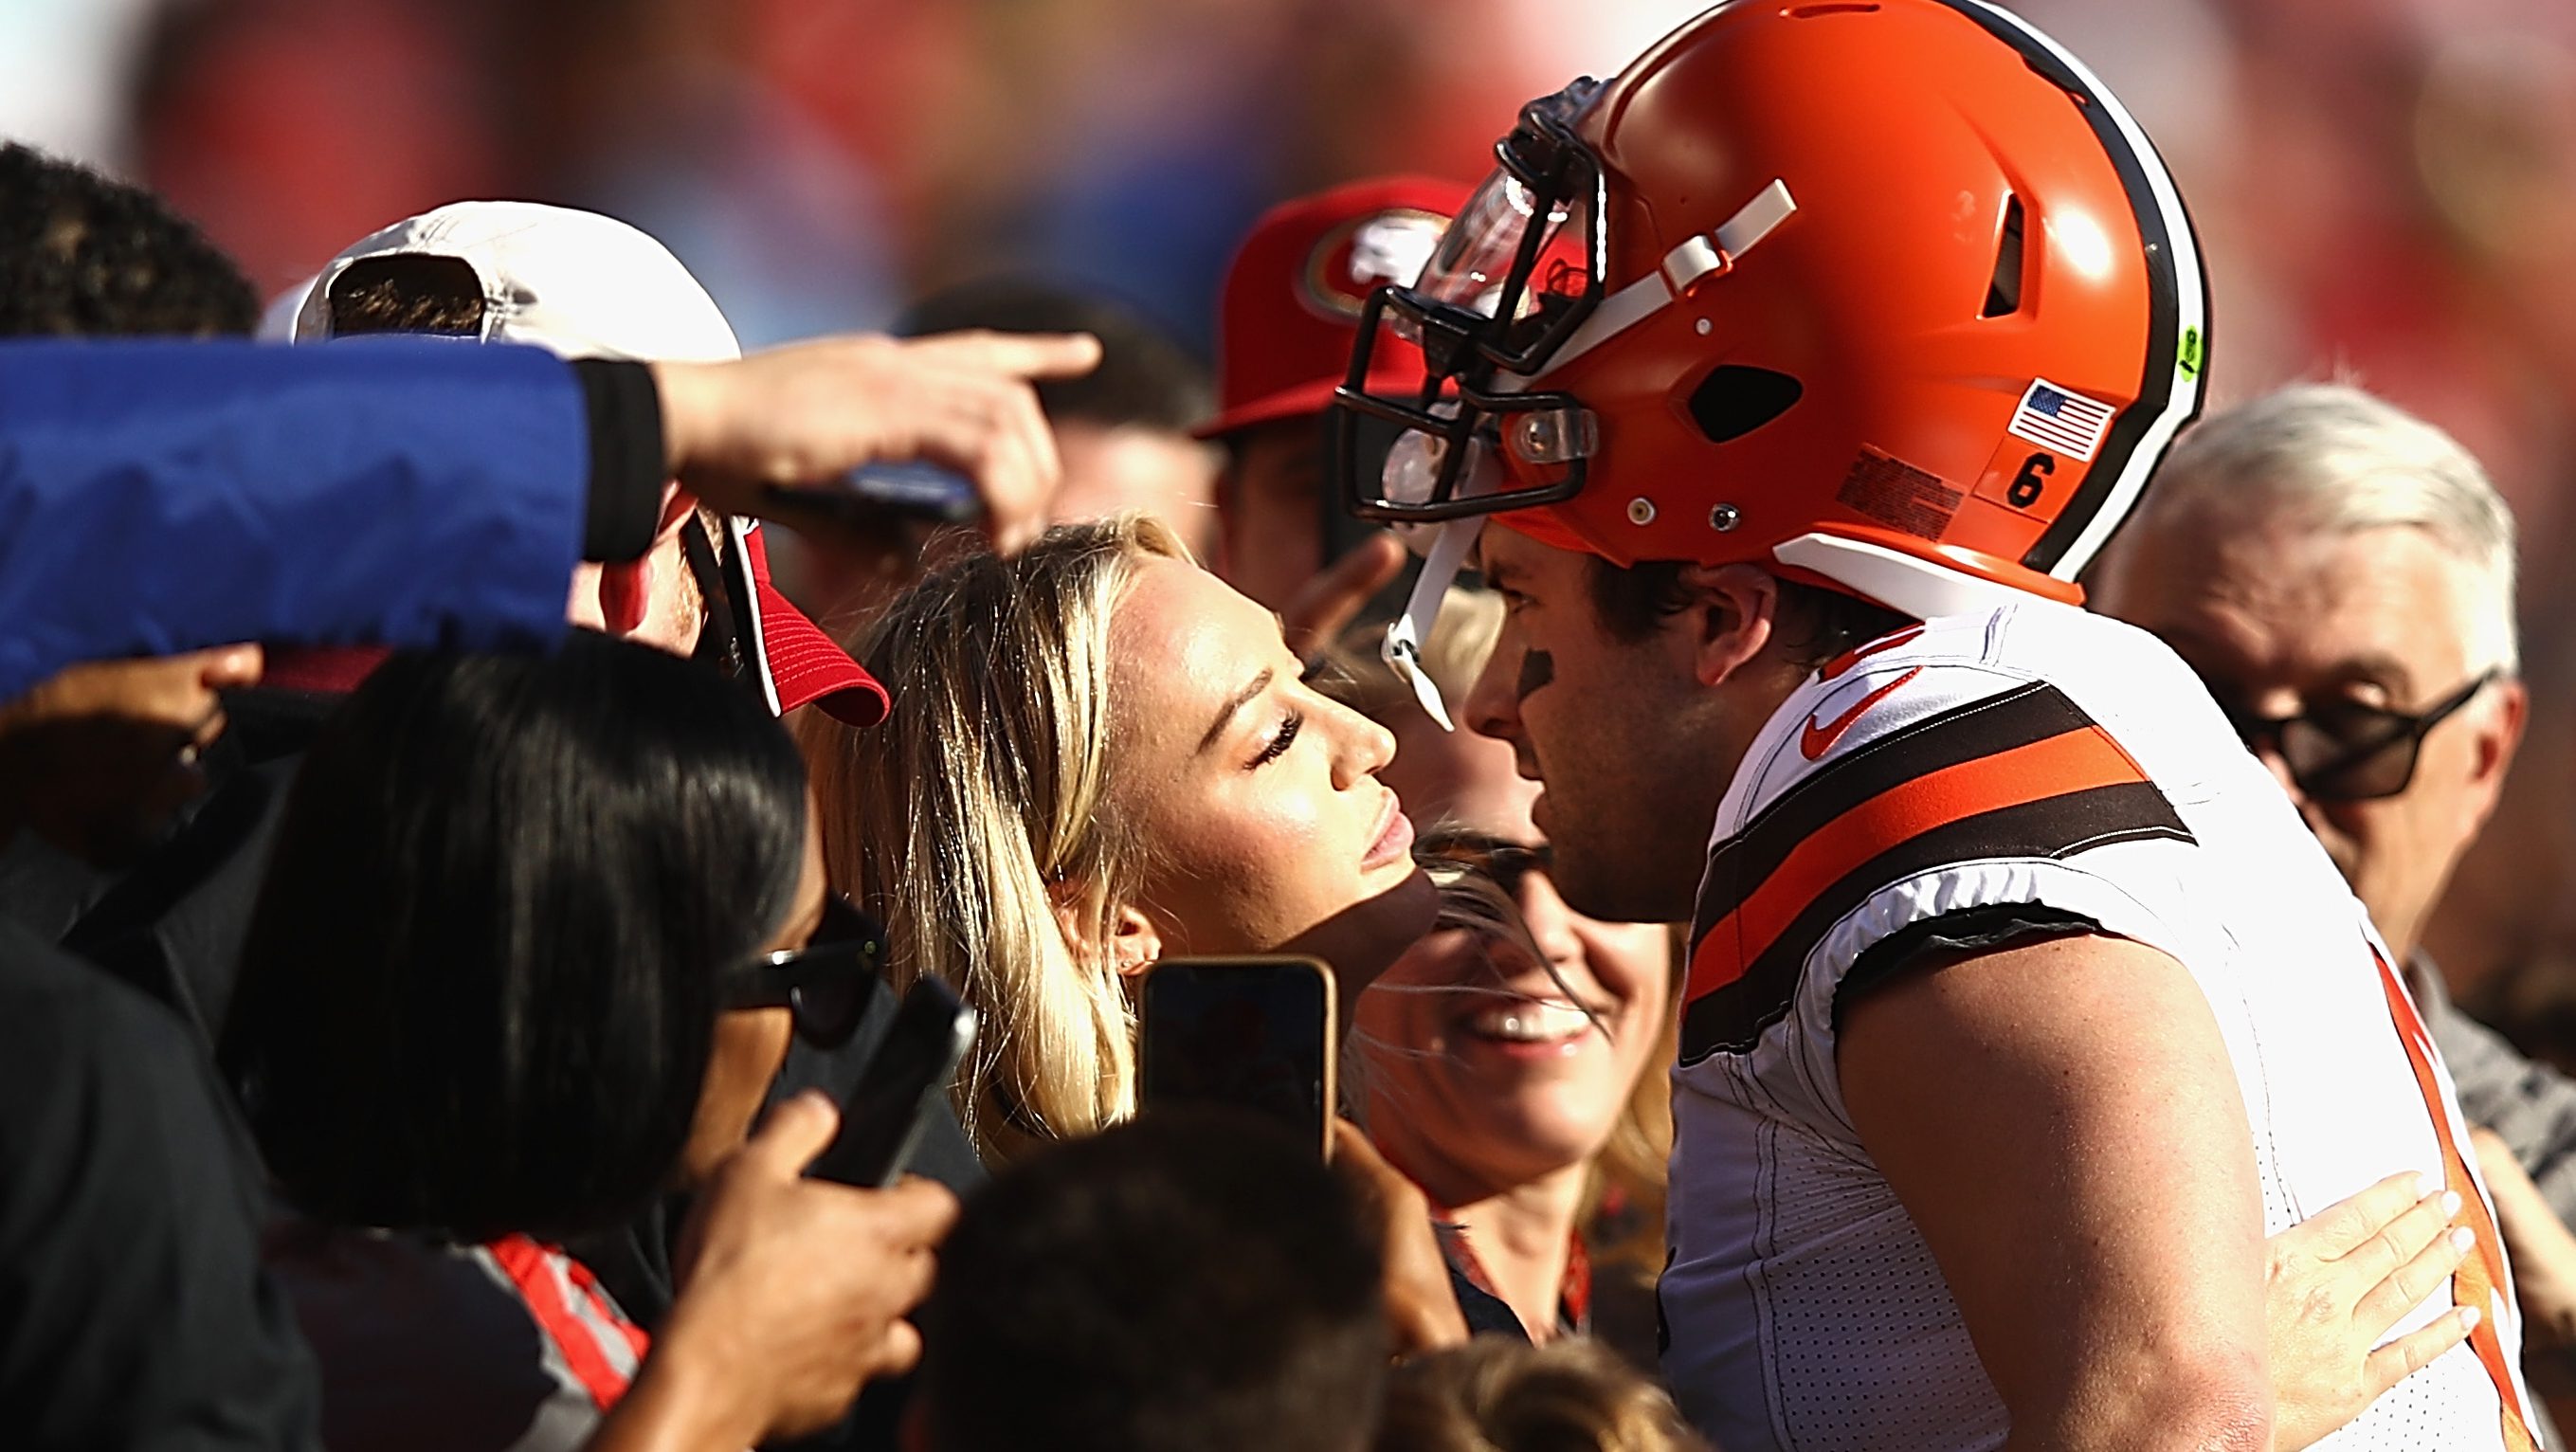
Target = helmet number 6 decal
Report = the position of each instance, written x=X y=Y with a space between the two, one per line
x=2024 y=491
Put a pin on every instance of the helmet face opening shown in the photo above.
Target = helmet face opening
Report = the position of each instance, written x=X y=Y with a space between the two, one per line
x=1510 y=280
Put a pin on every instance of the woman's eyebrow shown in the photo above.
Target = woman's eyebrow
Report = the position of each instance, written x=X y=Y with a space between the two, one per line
x=1260 y=683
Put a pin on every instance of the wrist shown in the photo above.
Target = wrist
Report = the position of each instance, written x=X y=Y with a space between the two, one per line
x=681 y=388
x=690 y=1399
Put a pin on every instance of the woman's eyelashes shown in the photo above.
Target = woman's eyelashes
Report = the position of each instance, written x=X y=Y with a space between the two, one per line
x=1289 y=726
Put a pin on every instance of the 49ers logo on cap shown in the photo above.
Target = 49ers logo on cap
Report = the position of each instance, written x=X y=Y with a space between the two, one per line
x=1356 y=258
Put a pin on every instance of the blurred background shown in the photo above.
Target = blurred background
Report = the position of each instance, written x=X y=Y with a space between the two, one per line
x=2386 y=190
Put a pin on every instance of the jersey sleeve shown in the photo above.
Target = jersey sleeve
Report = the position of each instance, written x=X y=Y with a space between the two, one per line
x=1982 y=803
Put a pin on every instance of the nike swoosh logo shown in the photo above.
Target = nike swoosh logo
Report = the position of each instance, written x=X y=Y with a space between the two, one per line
x=1890 y=641
x=1815 y=740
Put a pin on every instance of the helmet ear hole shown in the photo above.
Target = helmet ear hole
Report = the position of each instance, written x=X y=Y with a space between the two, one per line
x=1735 y=400
x=2003 y=290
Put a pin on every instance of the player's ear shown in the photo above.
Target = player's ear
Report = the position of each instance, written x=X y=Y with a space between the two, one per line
x=1734 y=608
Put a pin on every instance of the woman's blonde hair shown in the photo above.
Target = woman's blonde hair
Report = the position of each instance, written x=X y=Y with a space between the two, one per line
x=1496 y=1394
x=976 y=822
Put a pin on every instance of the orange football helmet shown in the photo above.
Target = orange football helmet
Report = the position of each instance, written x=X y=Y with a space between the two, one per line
x=1889 y=295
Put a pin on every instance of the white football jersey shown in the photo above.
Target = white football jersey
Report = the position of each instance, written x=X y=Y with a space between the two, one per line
x=2040 y=762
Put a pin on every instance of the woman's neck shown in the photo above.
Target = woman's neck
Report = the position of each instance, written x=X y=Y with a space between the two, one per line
x=1519 y=1232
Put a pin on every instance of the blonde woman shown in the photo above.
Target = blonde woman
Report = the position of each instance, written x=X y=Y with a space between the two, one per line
x=1103 y=756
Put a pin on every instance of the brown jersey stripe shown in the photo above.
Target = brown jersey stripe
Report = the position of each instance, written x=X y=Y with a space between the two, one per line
x=1740 y=985
x=1742 y=863
x=2070 y=761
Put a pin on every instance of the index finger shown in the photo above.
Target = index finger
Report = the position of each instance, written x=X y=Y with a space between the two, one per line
x=1021 y=355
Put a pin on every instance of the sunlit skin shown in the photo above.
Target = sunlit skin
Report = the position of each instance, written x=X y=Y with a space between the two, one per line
x=653 y=600
x=1110 y=470
x=1493 y=1078
x=1270 y=829
x=751 y=1043
x=1460 y=778
x=100 y=756
x=1631 y=745
x=1270 y=530
x=2285 y=618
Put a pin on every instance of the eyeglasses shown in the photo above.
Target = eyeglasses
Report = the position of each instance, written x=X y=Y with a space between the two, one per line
x=2343 y=751
x=825 y=983
x=1505 y=861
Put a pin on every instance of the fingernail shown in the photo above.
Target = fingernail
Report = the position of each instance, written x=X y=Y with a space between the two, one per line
x=2450 y=1202
x=2470 y=1317
x=2462 y=1238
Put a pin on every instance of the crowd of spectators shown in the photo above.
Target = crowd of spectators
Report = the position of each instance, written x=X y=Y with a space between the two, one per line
x=434 y=928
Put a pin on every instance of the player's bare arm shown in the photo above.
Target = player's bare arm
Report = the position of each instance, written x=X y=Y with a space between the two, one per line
x=2062 y=1123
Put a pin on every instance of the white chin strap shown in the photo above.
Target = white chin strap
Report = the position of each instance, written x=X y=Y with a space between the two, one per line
x=1401 y=649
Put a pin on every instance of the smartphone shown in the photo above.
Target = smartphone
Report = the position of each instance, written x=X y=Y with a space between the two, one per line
x=885 y=1113
x=1254 y=1032
x=879 y=497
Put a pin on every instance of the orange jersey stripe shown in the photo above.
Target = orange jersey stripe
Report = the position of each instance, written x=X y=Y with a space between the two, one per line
x=2481 y=1280
x=2071 y=761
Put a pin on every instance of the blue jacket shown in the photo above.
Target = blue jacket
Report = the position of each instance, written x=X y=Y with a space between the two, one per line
x=163 y=497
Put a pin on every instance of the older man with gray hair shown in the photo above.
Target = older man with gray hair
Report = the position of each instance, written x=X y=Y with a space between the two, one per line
x=2341 y=574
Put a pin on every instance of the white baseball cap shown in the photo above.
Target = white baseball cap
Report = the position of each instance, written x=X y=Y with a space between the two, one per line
x=580 y=285
x=574 y=283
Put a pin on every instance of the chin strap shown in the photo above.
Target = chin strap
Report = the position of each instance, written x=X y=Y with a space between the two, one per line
x=1401 y=648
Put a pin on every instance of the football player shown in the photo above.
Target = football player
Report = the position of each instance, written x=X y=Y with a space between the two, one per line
x=1803 y=365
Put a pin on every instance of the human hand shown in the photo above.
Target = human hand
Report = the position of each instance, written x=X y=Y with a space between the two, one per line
x=1326 y=603
x=1421 y=1308
x=792 y=1291
x=2335 y=1283
x=763 y=435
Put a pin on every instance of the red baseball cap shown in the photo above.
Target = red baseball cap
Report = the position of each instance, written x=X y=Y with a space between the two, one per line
x=800 y=664
x=1291 y=310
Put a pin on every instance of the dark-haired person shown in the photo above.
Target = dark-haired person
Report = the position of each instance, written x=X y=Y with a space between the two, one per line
x=83 y=256
x=169 y=498
x=523 y=960
x=1192 y=1279
x=1124 y=428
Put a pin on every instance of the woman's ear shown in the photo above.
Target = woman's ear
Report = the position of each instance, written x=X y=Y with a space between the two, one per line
x=1129 y=945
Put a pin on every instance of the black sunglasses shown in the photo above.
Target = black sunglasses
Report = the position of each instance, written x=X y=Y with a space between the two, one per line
x=825 y=983
x=2343 y=751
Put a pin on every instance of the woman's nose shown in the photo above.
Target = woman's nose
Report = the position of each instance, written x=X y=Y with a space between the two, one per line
x=1550 y=921
x=1363 y=747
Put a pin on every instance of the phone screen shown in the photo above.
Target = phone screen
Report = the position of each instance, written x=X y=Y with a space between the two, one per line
x=881 y=1120
x=1250 y=1032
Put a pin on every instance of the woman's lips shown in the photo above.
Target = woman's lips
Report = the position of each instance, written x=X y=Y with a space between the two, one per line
x=1394 y=836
